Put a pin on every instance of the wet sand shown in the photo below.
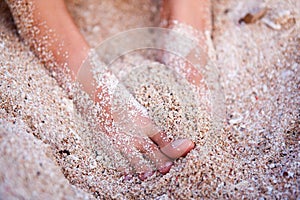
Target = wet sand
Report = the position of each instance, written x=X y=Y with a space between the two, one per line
x=48 y=151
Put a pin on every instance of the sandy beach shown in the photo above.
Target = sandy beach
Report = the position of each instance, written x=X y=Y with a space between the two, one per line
x=49 y=151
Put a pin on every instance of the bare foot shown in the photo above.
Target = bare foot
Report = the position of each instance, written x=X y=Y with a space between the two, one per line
x=58 y=43
x=147 y=138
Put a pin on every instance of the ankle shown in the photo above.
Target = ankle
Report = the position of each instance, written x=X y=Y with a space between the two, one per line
x=196 y=13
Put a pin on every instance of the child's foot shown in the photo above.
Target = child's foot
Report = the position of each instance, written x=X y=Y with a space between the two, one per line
x=137 y=134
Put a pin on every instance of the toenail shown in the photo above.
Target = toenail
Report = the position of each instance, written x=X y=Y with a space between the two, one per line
x=178 y=148
x=166 y=168
x=127 y=177
x=177 y=143
x=144 y=176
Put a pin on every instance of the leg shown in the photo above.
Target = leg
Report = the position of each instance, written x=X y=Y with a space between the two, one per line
x=194 y=13
x=49 y=29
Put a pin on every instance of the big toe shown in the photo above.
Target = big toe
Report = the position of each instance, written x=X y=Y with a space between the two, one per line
x=162 y=162
x=178 y=148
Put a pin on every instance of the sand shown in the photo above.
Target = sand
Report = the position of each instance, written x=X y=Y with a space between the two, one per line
x=48 y=150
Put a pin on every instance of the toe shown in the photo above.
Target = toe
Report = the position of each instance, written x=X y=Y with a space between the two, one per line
x=136 y=162
x=139 y=164
x=143 y=176
x=175 y=149
x=162 y=163
x=178 y=148
x=160 y=138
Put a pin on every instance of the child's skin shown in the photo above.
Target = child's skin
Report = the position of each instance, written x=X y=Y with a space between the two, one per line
x=69 y=48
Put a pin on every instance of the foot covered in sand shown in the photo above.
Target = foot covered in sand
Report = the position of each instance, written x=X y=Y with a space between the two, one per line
x=134 y=133
x=148 y=139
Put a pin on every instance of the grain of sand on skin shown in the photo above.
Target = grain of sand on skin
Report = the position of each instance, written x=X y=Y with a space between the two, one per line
x=255 y=155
